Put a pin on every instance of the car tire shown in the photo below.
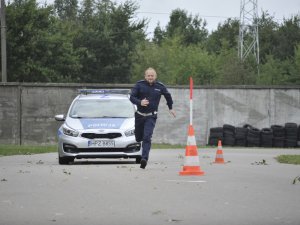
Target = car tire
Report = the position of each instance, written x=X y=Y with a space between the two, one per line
x=138 y=160
x=65 y=160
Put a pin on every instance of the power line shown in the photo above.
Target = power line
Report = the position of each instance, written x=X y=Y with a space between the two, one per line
x=164 y=13
x=204 y=16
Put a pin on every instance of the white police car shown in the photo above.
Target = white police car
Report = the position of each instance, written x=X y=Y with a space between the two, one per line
x=99 y=124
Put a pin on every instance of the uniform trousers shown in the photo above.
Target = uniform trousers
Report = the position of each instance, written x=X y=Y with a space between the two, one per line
x=144 y=126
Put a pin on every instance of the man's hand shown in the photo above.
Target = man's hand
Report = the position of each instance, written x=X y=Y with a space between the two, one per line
x=144 y=102
x=172 y=112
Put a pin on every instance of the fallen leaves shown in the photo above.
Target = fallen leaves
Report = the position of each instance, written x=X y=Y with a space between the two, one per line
x=296 y=179
x=40 y=162
x=66 y=172
x=262 y=162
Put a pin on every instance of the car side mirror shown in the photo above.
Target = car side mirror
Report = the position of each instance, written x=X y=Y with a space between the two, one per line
x=59 y=117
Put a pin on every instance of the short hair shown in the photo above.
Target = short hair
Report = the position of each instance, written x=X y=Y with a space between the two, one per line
x=152 y=69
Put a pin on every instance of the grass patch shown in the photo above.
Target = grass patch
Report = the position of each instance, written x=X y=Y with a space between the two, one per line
x=289 y=159
x=6 y=150
x=166 y=146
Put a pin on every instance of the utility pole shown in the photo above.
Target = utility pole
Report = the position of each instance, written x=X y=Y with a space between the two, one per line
x=3 y=42
x=248 y=31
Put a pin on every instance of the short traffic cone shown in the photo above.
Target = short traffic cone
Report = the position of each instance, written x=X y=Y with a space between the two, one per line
x=191 y=164
x=219 y=155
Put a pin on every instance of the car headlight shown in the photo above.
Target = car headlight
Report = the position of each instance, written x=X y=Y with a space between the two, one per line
x=129 y=133
x=70 y=132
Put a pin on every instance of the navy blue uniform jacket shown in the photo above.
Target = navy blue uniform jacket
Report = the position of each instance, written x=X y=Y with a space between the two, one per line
x=152 y=93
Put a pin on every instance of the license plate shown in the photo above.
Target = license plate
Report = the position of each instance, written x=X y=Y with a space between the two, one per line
x=101 y=144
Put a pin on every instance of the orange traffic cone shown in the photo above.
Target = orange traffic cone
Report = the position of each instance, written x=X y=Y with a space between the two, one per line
x=191 y=164
x=219 y=155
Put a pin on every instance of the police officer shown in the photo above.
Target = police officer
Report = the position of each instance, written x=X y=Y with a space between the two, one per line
x=146 y=96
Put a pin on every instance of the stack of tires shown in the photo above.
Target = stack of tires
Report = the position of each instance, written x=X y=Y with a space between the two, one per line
x=291 y=134
x=253 y=137
x=241 y=136
x=229 y=135
x=216 y=134
x=278 y=135
x=266 y=137
x=299 y=135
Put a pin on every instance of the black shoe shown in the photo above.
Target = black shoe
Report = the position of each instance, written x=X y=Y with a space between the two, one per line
x=143 y=163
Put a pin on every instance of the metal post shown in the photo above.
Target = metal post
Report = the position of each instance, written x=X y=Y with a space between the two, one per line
x=3 y=43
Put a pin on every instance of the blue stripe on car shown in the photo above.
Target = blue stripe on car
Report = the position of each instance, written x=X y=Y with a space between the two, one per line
x=103 y=123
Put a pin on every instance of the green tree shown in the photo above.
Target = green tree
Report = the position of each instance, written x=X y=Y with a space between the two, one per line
x=26 y=31
x=191 y=29
x=86 y=13
x=297 y=58
x=63 y=58
x=159 y=35
x=231 y=71
x=273 y=72
x=39 y=49
x=66 y=9
x=267 y=29
x=109 y=42
x=227 y=32
x=288 y=38
x=103 y=42
x=175 y=62
x=296 y=70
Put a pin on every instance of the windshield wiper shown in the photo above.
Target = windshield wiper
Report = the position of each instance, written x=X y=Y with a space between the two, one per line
x=113 y=117
x=76 y=117
x=95 y=117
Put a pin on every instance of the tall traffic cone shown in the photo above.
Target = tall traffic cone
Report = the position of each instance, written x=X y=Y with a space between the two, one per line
x=219 y=155
x=191 y=164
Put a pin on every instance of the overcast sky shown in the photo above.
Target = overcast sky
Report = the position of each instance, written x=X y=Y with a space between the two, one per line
x=213 y=11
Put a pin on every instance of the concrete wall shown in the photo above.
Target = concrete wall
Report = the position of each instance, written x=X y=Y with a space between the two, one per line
x=27 y=110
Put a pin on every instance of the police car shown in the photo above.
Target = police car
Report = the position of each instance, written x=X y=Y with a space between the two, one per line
x=99 y=124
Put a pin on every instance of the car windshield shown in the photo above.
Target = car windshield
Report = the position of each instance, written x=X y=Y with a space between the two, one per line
x=99 y=108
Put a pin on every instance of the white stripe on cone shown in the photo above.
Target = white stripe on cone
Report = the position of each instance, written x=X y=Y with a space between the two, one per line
x=191 y=161
x=191 y=140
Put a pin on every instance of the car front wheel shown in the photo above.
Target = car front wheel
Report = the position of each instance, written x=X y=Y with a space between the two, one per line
x=138 y=160
x=65 y=160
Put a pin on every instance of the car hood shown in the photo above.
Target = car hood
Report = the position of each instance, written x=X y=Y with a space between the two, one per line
x=100 y=123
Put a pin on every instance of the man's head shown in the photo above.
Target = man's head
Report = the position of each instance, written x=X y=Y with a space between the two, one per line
x=150 y=75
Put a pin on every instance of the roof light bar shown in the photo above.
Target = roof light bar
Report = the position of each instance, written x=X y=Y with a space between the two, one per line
x=104 y=91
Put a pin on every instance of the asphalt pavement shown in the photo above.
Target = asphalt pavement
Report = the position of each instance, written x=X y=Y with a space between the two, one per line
x=251 y=188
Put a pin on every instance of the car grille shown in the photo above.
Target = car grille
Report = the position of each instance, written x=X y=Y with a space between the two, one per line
x=95 y=150
x=129 y=149
x=106 y=136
